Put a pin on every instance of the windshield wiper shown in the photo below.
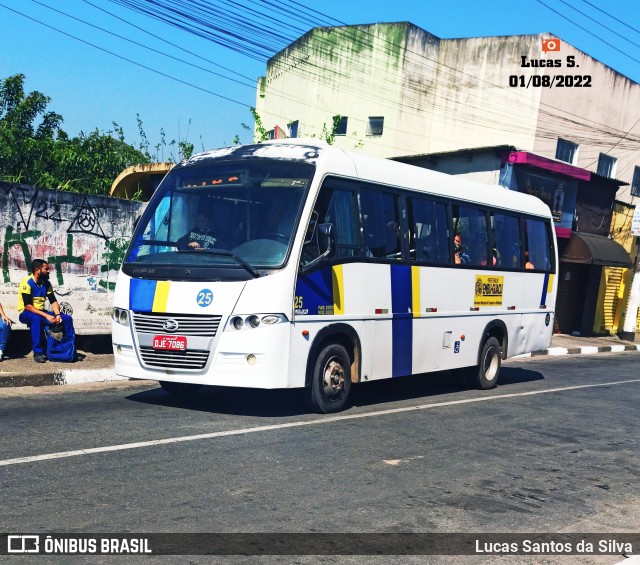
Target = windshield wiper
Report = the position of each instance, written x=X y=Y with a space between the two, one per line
x=224 y=253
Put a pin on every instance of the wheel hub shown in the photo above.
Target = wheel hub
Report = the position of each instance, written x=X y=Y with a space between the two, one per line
x=333 y=380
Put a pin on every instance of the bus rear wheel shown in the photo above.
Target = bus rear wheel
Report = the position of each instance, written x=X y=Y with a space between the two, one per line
x=485 y=375
x=330 y=381
x=180 y=390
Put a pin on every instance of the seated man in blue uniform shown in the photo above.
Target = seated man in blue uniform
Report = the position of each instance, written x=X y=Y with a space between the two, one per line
x=33 y=292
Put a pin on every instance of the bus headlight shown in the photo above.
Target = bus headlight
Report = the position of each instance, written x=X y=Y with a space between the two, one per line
x=253 y=321
x=120 y=316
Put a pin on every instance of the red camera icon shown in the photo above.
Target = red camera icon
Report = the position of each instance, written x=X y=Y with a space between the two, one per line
x=550 y=45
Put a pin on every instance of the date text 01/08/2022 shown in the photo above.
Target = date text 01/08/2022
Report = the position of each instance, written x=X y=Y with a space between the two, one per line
x=549 y=81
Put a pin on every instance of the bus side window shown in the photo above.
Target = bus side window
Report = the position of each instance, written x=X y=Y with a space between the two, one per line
x=537 y=244
x=338 y=207
x=471 y=224
x=428 y=223
x=507 y=248
x=380 y=224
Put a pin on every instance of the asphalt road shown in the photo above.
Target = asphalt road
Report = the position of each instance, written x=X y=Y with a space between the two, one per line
x=555 y=448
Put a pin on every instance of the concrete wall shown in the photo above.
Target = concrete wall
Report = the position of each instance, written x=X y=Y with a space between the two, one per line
x=353 y=71
x=83 y=237
x=475 y=107
x=434 y=94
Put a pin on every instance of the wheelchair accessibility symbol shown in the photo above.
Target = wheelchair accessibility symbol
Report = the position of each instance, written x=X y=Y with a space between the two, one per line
x=456 y=347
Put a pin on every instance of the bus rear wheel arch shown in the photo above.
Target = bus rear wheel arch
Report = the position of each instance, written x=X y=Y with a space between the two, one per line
x=330 y=380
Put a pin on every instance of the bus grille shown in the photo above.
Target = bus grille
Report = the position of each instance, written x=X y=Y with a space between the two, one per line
x=185 y=360
x=206 y=326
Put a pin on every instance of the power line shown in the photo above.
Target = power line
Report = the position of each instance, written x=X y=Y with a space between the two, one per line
x=139 y=28
x=485 y=104
x=127 y=59
x=600 y=24
x=356 y=35
x=142 y=45
x=612 y=17
x=589 y=32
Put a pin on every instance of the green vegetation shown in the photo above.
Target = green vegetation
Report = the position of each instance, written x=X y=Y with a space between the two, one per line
x=35 y=150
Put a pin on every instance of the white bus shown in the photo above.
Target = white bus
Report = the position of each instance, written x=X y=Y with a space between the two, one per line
x=294 y=264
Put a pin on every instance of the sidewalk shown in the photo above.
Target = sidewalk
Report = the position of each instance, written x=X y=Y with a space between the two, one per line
x=19 y=369
x=562 y=344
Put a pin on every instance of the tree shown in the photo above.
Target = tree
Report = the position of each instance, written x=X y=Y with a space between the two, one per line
x=35 y=150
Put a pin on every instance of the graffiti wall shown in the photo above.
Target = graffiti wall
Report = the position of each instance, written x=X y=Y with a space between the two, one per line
x=83 y=237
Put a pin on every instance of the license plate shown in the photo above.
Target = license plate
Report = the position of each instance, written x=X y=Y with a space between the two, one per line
x=170 y=342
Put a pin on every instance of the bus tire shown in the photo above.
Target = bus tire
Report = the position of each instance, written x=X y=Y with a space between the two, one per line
x=331 y=380
x=485 y=375
x=180 y=390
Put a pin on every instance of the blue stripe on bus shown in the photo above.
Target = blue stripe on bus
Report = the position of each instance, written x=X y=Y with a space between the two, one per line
x=141 y=294
x=543 y=298
x=402 y=322
x=314 y=290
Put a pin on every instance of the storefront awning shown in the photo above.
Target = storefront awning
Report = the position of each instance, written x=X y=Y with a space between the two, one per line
x=590 y=249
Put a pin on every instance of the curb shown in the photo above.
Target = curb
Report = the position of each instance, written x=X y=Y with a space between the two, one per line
x=61 y=377
x=587 y=350
x=77 y=376
x=46 y=379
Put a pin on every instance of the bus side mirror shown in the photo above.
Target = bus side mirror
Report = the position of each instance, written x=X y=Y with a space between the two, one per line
x=326 y=239
x=326 y=244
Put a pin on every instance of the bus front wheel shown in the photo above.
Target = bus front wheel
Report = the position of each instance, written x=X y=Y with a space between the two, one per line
x=330 y=381
x=485 y=375
x=180 y=390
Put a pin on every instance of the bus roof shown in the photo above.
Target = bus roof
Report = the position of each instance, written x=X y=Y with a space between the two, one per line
x=350 y=164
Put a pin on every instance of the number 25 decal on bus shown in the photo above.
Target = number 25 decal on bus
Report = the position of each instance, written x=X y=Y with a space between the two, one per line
x=205 y=297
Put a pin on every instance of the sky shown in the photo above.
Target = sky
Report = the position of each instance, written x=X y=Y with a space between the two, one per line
x=105 y=61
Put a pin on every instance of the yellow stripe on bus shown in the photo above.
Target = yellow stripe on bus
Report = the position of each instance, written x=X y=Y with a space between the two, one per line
x=338 y=289
x=550 y=283
x=415 y=291
x=161 y=296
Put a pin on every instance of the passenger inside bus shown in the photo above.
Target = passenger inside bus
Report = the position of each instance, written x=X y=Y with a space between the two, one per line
x=528 y=264
x=460 y=256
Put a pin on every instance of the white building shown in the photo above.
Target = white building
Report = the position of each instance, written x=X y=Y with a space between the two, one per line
x=400 y=90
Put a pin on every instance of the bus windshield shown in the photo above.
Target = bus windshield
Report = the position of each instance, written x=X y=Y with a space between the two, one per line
x=231 y=214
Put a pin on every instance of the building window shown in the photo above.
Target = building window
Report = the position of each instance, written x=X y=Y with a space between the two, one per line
x=566 y=151
x=342 y=126
x=635 y=183
x=375 y=125
x=606 y=165
x=293 y=129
